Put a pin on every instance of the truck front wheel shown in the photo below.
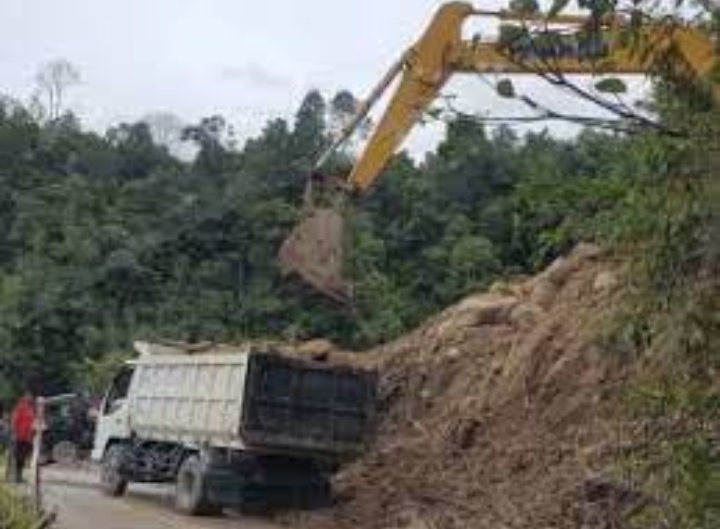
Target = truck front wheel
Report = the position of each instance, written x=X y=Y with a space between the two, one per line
x=111 y=478
x=191 y=489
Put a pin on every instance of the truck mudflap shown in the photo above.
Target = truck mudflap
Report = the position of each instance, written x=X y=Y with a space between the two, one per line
x=298 y=406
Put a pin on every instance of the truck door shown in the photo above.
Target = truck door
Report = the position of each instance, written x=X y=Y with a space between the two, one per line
x=112 y=421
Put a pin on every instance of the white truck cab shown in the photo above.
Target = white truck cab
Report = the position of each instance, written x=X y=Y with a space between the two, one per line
x=113 y=418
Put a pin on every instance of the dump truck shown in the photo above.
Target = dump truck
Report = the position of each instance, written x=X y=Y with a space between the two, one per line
x=232 y=426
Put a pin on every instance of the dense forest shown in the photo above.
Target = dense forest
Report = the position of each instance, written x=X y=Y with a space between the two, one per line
x=108 y=237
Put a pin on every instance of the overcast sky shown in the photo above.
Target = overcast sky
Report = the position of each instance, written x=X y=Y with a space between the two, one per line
x=249 y=60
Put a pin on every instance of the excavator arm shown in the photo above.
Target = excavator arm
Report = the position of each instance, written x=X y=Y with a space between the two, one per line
x=314 y=248
x=440 y=53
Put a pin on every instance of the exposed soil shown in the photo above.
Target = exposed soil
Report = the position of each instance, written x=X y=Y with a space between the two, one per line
x=497 y=413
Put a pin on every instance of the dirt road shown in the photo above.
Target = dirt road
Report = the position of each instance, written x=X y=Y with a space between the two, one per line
x=80 y=505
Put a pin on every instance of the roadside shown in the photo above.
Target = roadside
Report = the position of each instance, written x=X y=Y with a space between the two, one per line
x=80 y=505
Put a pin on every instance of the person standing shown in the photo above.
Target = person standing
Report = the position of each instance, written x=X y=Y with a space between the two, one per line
x=23 y=420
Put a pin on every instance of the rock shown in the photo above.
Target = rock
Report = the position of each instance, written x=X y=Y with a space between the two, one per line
x=453 y=353
x=543 y=293
x=319 y=349
x=475 y=311
x=501 y=288
x=585 y=251
x=487 y=310
x=453 y=324
x=526 y=314
x=561 y=268
x=471 y=303
x=496 y=312
x=520 y=289
x=558 y=271
x=605 y=281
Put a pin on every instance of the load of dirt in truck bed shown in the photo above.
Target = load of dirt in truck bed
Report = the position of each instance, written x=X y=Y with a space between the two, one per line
x=318 y=350
x=497 y=412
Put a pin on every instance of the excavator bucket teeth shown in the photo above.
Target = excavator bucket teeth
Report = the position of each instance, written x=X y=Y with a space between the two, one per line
x=314 y=251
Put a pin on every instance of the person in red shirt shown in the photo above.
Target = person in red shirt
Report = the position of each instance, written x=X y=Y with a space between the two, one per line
x=23 y=421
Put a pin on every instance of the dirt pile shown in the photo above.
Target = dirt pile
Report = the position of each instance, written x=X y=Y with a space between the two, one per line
x=497 y=412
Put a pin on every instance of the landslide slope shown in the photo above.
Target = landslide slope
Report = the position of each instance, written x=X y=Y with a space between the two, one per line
x=500 y=412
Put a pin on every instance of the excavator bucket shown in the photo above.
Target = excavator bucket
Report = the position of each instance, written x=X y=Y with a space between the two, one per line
x=314 y=251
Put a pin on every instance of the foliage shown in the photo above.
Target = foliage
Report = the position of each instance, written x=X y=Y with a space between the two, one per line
x=94 y=375
x=106 y=239
x=15 y=512
x=669 y=223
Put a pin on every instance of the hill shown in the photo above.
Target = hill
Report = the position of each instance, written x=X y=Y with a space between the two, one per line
x=501 y=411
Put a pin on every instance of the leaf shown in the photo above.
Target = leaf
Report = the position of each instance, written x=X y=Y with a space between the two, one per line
x=510 y=34
x=557 y=6
x=505 y=88
x=714 y=74
x=524 y=7
x=611 y=85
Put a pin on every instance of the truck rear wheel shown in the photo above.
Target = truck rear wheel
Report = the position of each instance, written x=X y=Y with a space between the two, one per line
x=65 y=453
x=111 y=479
x=191 y=489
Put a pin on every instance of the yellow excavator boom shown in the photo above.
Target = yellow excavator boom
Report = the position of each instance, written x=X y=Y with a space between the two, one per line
x=441 y=52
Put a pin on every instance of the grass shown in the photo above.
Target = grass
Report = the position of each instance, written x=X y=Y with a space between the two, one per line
x=15 y=511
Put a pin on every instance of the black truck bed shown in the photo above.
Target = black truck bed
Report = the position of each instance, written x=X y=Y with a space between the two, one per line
x=301 y=405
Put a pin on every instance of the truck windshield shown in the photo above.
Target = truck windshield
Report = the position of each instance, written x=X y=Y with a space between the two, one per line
x=118 y=391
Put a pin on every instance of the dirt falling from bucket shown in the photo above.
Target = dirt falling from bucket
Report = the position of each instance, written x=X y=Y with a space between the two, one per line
x=314 y=251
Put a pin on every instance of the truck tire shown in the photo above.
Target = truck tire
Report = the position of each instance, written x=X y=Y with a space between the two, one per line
x=191 y=490
x=112 y=481
x=65 y=453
